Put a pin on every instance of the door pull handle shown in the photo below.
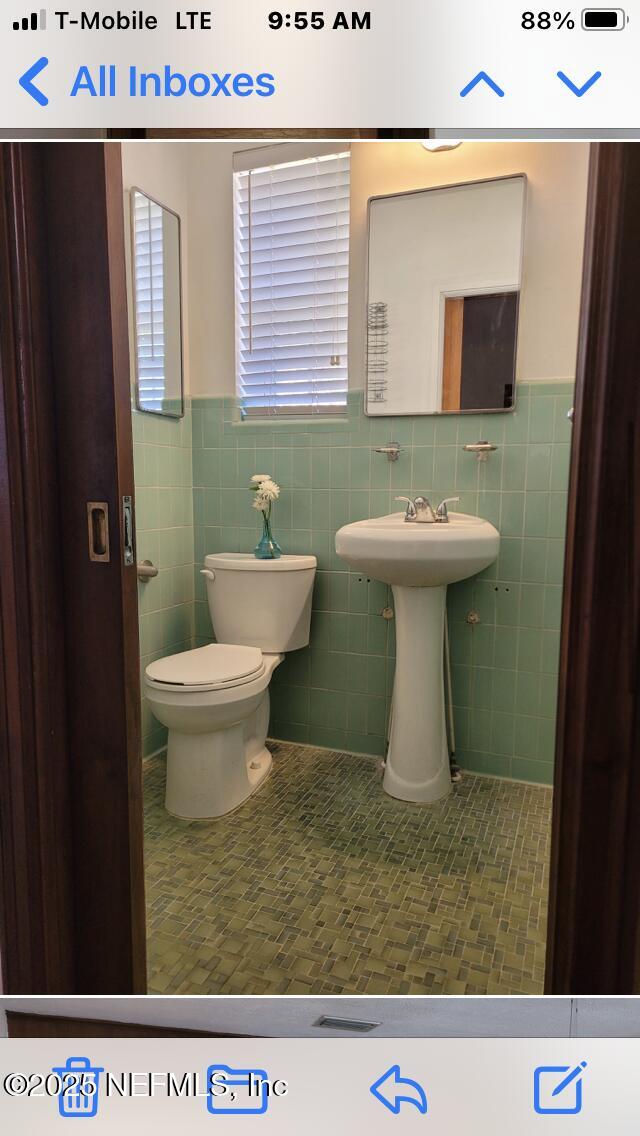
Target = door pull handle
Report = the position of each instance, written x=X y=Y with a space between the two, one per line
x=98 y=529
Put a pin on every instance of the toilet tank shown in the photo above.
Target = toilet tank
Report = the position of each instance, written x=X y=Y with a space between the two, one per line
x=260 y=603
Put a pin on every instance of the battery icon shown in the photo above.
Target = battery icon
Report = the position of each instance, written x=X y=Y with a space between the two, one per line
x=604 y=19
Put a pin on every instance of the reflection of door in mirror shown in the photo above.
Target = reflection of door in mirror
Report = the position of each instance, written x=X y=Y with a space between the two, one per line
x=445 y=272
x=155 y=257
x=478 y=368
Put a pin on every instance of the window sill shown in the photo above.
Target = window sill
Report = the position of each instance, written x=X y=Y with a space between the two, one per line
x=330 y=424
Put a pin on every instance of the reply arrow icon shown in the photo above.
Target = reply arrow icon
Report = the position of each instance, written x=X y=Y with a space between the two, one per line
x=394 y=1090
x=27 y=84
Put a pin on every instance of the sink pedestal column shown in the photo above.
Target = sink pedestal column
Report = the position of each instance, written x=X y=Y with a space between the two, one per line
x=417 y=766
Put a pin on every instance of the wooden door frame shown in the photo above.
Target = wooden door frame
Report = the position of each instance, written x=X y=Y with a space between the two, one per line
x=72 y=916
x=61 y=801
x=594 y=927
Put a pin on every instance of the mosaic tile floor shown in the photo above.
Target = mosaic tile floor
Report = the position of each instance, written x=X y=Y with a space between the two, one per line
x=322 y=884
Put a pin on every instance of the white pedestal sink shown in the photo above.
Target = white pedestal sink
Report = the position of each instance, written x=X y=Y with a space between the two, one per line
x=418 y=560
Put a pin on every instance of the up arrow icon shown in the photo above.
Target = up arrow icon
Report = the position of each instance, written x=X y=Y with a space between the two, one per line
x=482 y=77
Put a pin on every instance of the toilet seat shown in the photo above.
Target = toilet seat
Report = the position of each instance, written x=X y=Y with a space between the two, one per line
x=215 y=667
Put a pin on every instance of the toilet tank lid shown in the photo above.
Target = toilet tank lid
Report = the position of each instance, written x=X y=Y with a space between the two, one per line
x=247 y=562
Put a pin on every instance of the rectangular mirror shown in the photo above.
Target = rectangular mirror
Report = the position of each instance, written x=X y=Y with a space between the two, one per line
x=445 y=272
x=157 y=294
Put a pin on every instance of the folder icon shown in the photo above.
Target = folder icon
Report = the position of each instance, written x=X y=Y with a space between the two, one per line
x=236 y=1092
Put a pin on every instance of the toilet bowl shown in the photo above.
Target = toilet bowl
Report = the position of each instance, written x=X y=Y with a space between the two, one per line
x=214 y=700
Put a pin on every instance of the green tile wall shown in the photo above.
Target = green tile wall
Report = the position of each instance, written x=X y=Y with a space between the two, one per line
x=164 y=534
x=504 y=669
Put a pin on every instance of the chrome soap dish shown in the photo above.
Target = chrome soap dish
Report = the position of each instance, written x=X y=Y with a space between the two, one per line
x=482 y=449
x=392 y=450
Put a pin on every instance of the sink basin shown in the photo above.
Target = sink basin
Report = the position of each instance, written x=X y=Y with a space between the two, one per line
x=418 y=560
x=419 y=555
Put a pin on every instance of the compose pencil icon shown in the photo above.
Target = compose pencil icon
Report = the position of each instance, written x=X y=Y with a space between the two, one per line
x=569 y=1078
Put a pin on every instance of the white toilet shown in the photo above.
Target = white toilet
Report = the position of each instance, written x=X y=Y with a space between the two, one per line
x=215 y=700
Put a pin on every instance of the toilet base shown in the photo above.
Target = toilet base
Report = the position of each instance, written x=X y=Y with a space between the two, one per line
x=211 y=774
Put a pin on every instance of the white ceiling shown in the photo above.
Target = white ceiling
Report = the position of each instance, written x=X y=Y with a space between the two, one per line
x=398 y=1017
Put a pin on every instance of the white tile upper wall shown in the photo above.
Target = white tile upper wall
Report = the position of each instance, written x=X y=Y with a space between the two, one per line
x=557 y=173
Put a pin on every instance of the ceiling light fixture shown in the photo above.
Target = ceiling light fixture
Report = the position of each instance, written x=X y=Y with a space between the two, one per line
x=435 y=146
x=349 y=1025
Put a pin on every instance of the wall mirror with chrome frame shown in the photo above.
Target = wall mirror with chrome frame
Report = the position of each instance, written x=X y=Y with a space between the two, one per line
x=157 y=303
x=444 y=281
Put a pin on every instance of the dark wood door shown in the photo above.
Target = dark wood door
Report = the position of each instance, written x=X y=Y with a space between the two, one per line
x=90 y=349
x=70 y=770
x=36 y=923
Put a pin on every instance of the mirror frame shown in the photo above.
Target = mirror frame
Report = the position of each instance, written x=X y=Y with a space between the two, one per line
x=144 y=409
x=430 y=189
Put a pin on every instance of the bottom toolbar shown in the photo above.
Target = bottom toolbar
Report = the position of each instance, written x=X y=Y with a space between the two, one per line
x=451 y=1085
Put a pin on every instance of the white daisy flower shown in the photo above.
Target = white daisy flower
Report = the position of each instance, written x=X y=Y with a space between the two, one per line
x=270 y=490
x=266 y=491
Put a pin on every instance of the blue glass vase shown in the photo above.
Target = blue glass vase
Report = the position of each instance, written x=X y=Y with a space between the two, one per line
x=267 y=548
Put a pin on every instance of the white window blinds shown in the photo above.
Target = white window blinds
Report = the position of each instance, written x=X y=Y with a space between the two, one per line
x=292 y=278
x=149 y=301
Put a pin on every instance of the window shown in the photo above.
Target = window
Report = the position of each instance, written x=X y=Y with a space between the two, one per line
x=292 y=278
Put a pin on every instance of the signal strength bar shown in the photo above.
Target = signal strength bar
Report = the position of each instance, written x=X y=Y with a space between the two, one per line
x=36 y=21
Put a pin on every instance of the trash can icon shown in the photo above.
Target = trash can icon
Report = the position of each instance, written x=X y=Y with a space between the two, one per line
x=79 y=1087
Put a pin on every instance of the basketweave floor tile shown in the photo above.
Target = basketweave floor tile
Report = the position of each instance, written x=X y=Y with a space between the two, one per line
x=322 y=884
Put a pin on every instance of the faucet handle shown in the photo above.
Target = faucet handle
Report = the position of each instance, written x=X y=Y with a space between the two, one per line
x=442 y=513
x=411 y=512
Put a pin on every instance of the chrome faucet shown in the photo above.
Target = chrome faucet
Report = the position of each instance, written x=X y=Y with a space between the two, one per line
x=420 y=511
